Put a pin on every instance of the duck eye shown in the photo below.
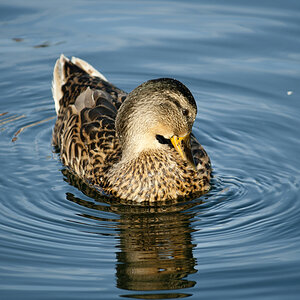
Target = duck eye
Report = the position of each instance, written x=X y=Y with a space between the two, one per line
x=185 y=112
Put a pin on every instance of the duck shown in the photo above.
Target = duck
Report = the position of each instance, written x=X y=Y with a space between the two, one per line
x=137 y=146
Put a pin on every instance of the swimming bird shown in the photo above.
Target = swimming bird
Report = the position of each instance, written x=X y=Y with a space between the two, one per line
x=138 y=146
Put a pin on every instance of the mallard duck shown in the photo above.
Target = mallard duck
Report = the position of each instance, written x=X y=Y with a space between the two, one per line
x=137 y=146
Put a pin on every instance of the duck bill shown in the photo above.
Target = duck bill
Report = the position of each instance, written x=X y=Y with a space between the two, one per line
x=183 y=146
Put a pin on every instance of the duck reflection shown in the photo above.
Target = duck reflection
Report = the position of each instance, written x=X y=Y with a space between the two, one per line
x=156 y=249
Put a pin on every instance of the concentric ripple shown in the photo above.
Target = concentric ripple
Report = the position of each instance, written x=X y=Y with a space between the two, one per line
x=62 y=240
x=55 y=223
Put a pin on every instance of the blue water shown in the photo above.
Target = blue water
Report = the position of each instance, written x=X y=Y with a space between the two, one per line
x=241 y=60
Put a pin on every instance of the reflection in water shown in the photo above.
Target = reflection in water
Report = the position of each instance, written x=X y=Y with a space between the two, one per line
x=156 y=251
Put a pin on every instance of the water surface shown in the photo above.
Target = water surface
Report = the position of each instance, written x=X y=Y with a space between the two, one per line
x=60 y=240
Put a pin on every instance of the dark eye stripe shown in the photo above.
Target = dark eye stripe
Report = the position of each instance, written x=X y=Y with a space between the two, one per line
x=177 y=103
x=184 y=111
x=173 y=100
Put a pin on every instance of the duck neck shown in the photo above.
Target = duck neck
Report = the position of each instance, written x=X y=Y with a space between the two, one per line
x=138 y=145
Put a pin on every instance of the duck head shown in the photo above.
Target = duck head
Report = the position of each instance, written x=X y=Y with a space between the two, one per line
x=157 y=114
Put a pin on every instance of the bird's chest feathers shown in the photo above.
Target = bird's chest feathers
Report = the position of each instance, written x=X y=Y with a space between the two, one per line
x=148 y=177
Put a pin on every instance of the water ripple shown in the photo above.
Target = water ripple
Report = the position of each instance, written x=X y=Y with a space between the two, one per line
x=59 y=239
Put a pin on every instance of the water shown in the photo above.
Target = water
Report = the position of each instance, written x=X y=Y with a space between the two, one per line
x=241 y=61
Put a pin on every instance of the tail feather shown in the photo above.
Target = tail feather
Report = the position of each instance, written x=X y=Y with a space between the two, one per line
x=58 y=80
x=87 y=68
x=63 y=68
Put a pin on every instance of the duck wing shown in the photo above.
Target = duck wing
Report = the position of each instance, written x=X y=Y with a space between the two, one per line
x=84 y=132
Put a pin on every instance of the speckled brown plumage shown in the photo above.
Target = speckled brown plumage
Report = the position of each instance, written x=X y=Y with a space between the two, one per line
x=126 y=151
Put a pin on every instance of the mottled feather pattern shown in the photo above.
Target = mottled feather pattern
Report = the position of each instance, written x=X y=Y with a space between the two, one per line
x=85 y=134
x=86 y=138
x=157 y=178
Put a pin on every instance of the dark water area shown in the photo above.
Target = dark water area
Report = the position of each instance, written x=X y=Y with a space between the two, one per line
x=241 y=60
